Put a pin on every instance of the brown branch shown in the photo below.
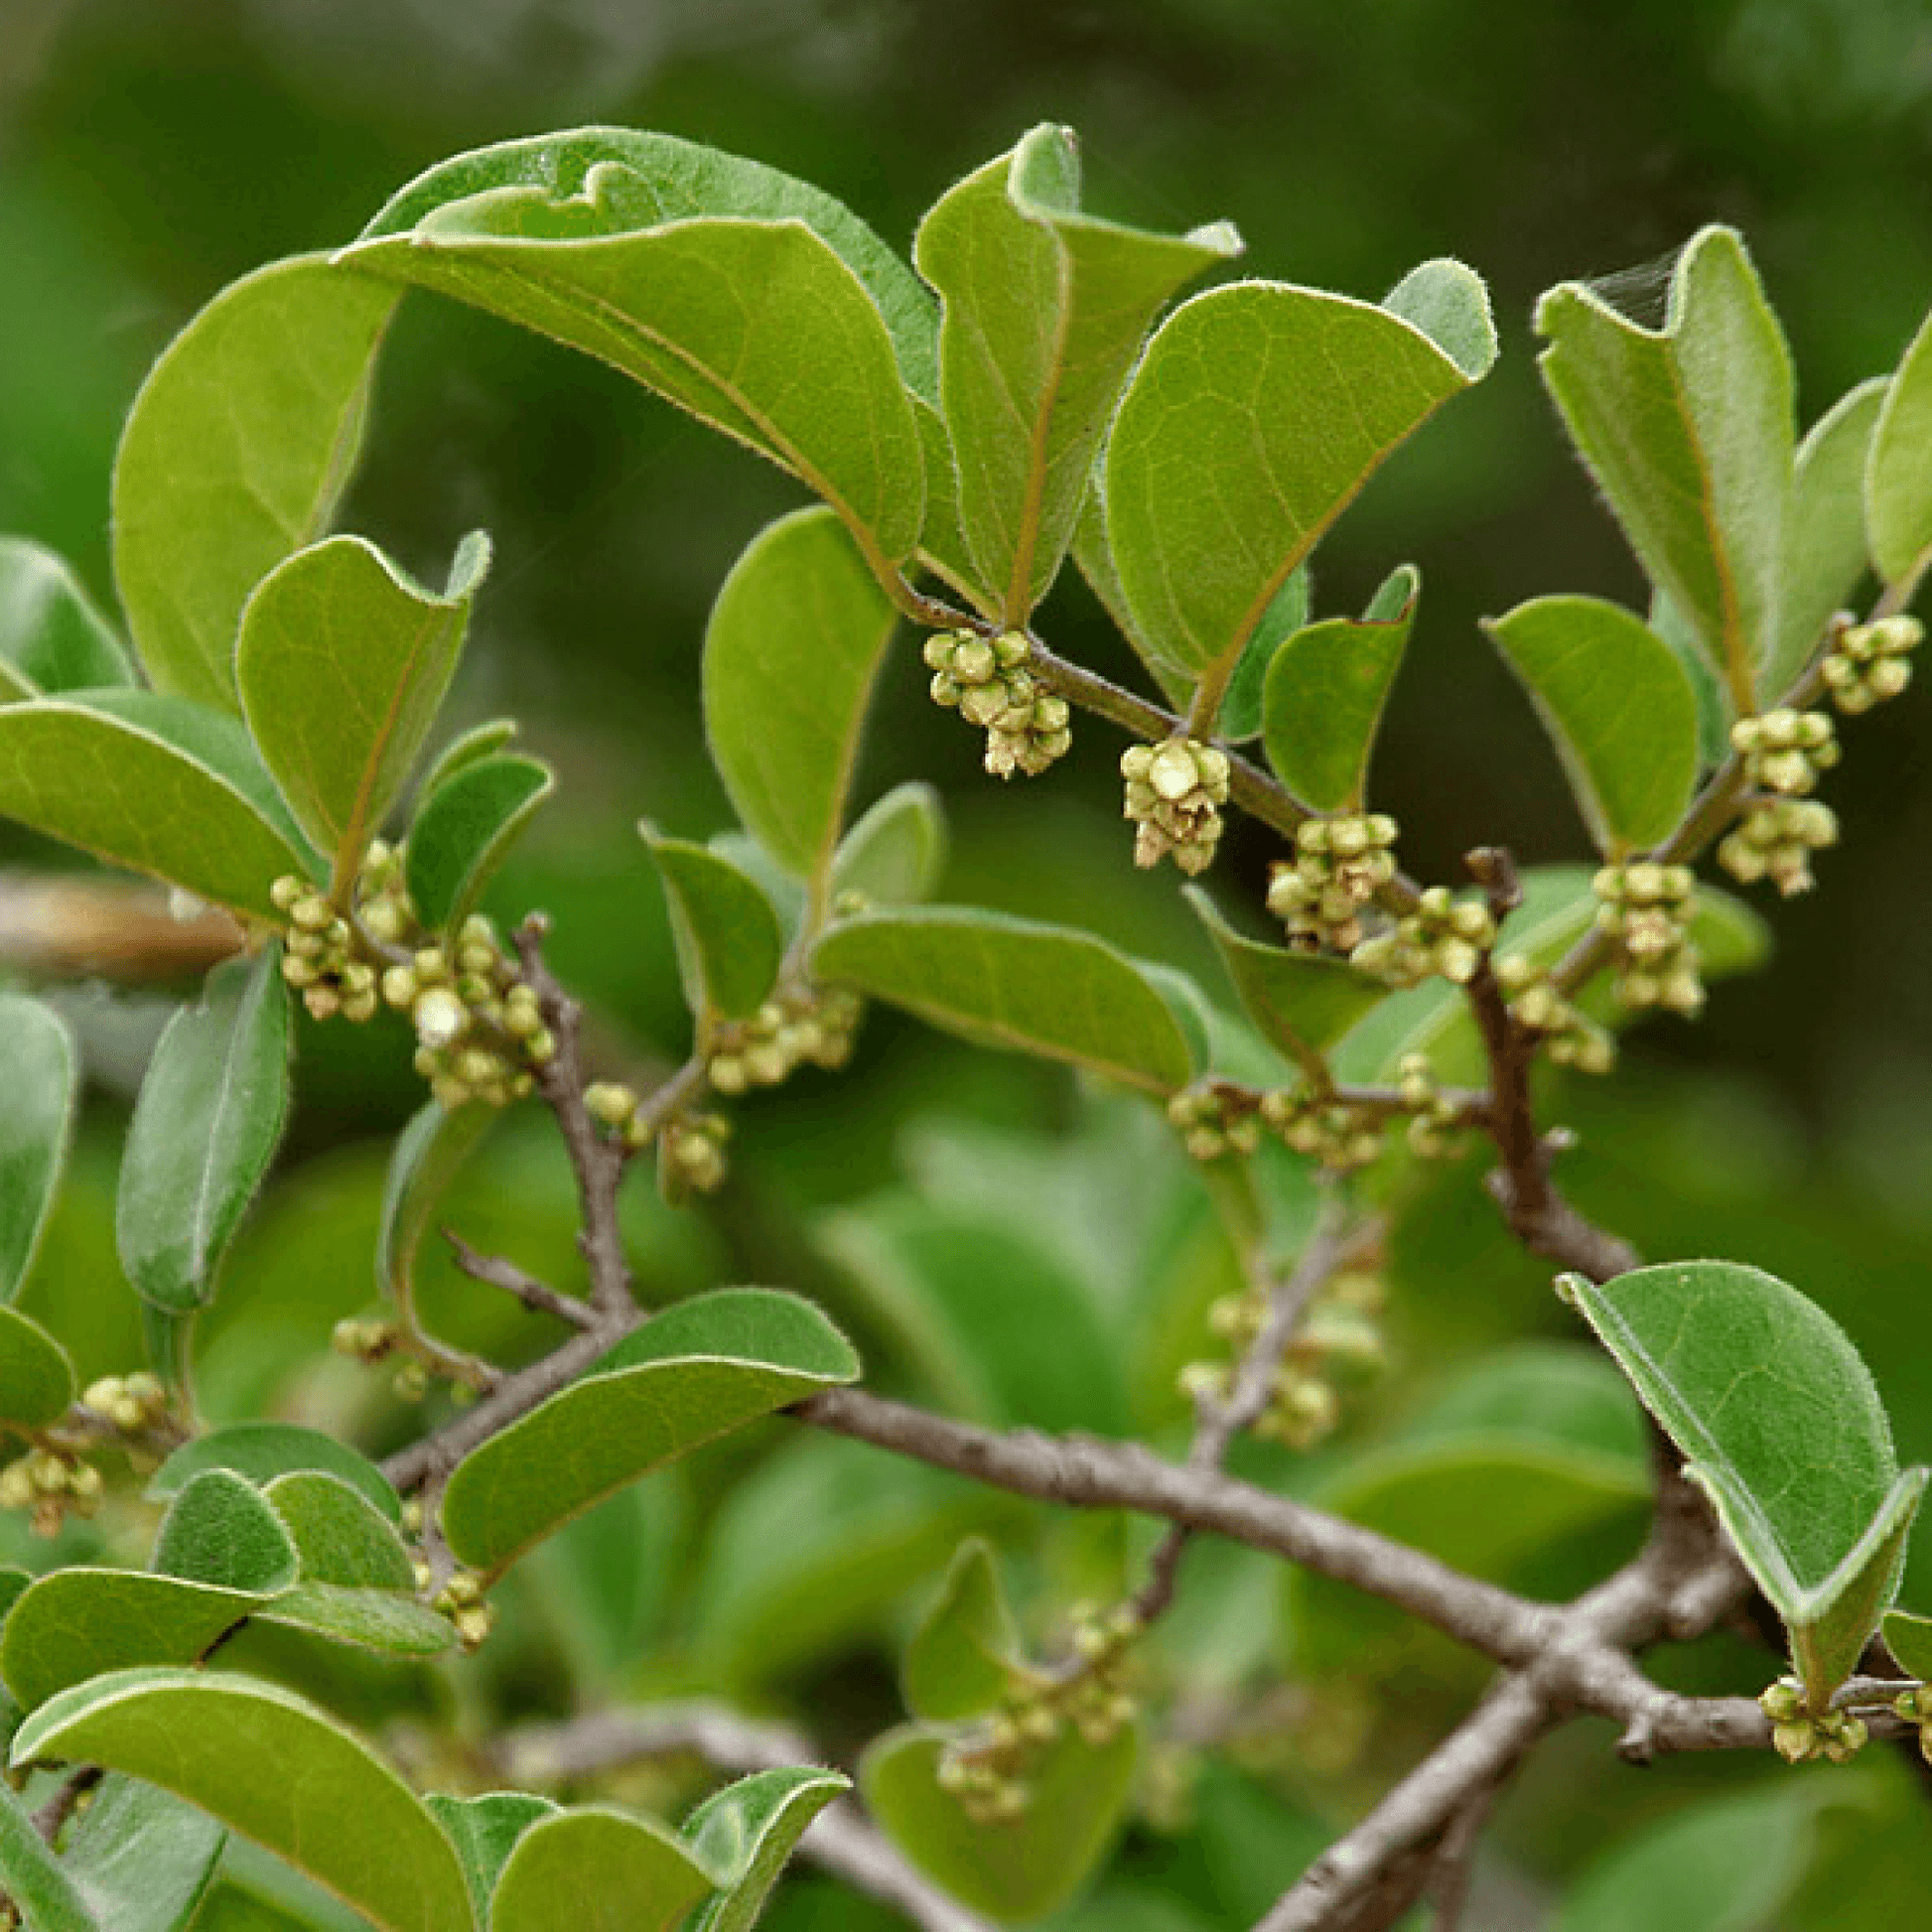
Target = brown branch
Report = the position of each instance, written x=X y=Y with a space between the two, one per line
x=51 y=1820
x=495 y=1272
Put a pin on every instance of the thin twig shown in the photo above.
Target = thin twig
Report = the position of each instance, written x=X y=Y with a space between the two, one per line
x=51 y=1820
x=496 y=1271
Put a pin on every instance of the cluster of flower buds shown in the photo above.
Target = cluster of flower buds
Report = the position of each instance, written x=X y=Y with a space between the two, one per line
x=479 y=1028
x=131 y=1403
x=1215 y=1120
x=988 y=683
x=53 y=1486
x=1647 y=909
x=1341 y=1135
x=1799 y=1736
x=691 y=1153
x=1786 y=751
x=1444 y=935
x=461 y=1601
x=1915 y=1707
x=319 y=954
x=1436 y=1130
x=1175 y=794
x=1775 y=840
x=1339 y=866
x=1568 y=1038
x=1871 y=662
x=372 y=1339
x=799 y=1024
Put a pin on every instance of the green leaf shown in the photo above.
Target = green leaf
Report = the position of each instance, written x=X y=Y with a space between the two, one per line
x=1898 y=471
x=373 y=1619
x=463 y=830
x=1909 y=1637
x=597 y=1870
x=263 y=1450
x=479 y=742
x=274 y=1768
x=1011 y=983
x=964 y=1656
x=1824 y=538
x=1449 y=303
x=34 y=1878
x=1242 y=708
x=484 y=1831
x=1256 y=415
x=1617 y=705
x=339 y=1535
x=1781 y=1424
x=1716 y=711
x=140 y=1857
x=206 y=1127
x=1688 y=432
x=1093 y=554
x=220 y=1530
x=39 y=1076
x=1321 y=702
x=744 y=1832
x=342 y=667
x=1010 y=1872
x=896 y=853
x=153 y=783
x=36 y=1374
x=728 y=941
x=428 y=1156
x=694 y=1372
x=76 y=1625
x=706 y=278
x=1302 y=1003
x=238 y=450
x=792 y=650
x=1044 y=310
x=52 y=637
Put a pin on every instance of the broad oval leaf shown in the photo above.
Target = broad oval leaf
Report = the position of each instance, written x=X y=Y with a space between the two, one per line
x=694 y=1372
x=702 y=277
x=1241 y=709
x=743 y=1834
x=790 y=656
x=484 y=1831
x=154 y=783
x=39 y=1076
x=465 y=747
x=729 y=940
x=37 y=1884
x=35 y=1373
x=1012 y=983
x=1898 y=471
x=1619 y=709
x=382 y=1621
x=339 y=1535
x=206 y=1127
x=1322 y=698
x=463 y=830
x=269 y=1765
x=220 y=1530
x=1256 y=415
x=1045 y=311
x=140 y=1857
x=895 y=851
x=1010 y=1872
x=1688 y=432
x=1909 y=1637
x=52 y=637
x=341 y=665
x=263 y=1450
x=599 y=1869
x=237 y=450
x=1780 y=1423
x=964 y=1656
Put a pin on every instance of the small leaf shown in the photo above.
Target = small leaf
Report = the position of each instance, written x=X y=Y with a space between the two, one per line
x=1322 y=699
x=896 y=854
x=744 y=1835
x=206 y=1127
x=36 y=1374
x=339 y=1535
x=1010 y=1872
x=273 y=1768
x=790 y=656
x=428 y=1156
x=1909 y=1637
x=1780 y=1423
x=1688 y=431
x=706 y=278
x=342 y=667
x=964 y=1657
x=1615 y=701
x=1449 y=303
x=463 y=830
x=479 y=742
x=1045 y=311
x=34 y=1878
x=728 y=941
x=263 y=1450
x=373 y=1619
x=484 y=1831
x=238 y=450
x=1011 y=983
x=598 y=1869
x=52 y=637
x=1241 y=710
x=140 y=1857
x=1256 y=415
x=692 y=1373
x=153 y=783
x=39 y=1076
x=1898 y=471
x=220 y=1530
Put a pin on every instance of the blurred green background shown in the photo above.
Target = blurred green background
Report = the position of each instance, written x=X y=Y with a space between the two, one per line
x=149 y=153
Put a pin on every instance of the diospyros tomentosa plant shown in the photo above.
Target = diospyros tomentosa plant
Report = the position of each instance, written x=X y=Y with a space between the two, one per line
x=1039 y=390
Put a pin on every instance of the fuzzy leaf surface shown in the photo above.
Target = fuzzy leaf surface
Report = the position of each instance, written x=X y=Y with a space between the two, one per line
x=36 y=1066
x=52 y=636
x=220 y=1530
x=743 y=1834
x=339 y=1535
x=1898 y=473
x=895 y=851
x=141 y=1859
x=35 y=1373
x=729 y=940
x=464 y=831
x=263 y=1450
x=484 y=1831
x=39 y=1884
x=598 y=1869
